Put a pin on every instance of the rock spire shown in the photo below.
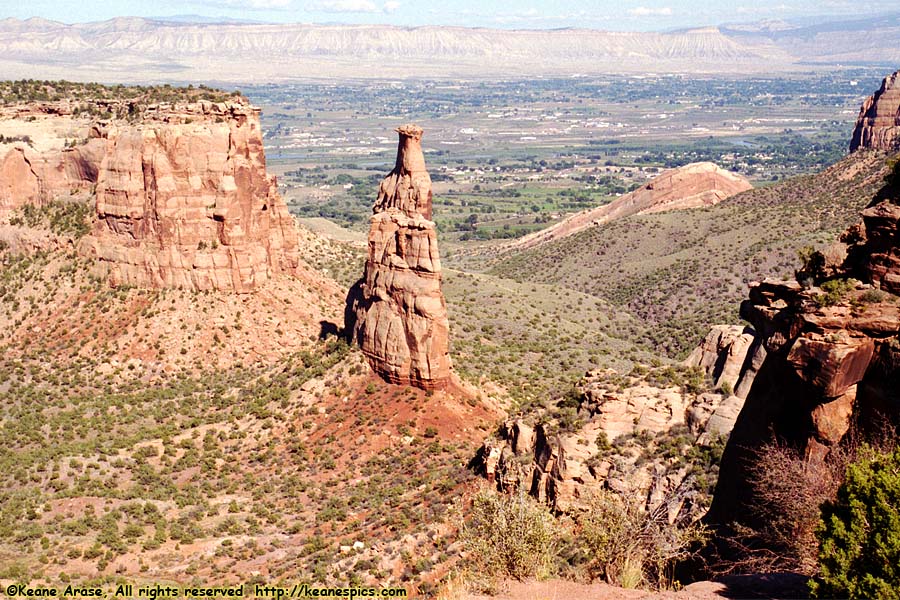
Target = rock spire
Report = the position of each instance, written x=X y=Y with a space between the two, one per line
x=396 y=312
x=878 y=124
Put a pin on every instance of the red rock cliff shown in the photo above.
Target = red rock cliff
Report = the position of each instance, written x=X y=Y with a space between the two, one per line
x=829 y=358
x=31 y=177
x=878 y=125
x=397 y=313
x=184 y=200
x=182 y=195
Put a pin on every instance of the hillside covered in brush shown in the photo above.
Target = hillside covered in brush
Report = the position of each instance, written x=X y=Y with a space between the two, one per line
x=681 y=271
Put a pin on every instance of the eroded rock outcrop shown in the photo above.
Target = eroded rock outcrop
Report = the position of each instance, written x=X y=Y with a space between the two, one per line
x=878 y=124
x=31 y=177
x=819 y=378
x=828 y=343
x=830 y=365
x=729 y=357
x=627 y=434
x=182 y=197
x=690 y=186
x=397 y=313
x=184 y=200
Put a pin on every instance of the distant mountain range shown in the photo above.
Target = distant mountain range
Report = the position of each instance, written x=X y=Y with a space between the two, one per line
x=182 y=49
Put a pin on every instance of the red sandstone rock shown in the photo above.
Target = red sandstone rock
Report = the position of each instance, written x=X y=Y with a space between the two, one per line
x=878 y=124
x=408 y=186
x=722 y=354
x=182 y=197
x=184 y=200
x=397 y=311
x=877 y=253
x=831 y=420
x=830 y=365
x=30 y=177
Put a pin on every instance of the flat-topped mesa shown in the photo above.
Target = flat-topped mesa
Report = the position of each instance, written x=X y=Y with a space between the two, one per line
x=408 y=186
x=180 y=190
x=184 y=200
x=878 y=124
x=397 y=312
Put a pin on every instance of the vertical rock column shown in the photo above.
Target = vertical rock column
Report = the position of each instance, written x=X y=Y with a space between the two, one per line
x=396 y=312
x=878 y=125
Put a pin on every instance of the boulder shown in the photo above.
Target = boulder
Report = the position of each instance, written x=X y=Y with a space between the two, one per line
x=723 y=353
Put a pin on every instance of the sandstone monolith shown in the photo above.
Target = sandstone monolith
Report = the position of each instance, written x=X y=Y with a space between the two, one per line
x=397 y=312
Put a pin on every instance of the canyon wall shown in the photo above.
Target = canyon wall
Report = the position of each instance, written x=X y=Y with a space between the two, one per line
x=829 y=359
x=184 y=200
x=182 y=197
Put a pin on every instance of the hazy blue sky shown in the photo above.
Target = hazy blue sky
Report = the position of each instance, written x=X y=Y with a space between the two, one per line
x=639 y=15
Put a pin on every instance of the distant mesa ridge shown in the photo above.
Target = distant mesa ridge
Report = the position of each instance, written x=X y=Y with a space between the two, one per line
x=691 y=186
x=132 y=49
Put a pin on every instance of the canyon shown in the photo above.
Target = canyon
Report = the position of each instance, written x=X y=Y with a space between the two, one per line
x=187 y=236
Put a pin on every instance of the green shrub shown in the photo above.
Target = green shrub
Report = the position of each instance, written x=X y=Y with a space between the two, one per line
x=859 y=534
x=632 y=547
x=873 y=296
x=835 y=290
x=509 y=536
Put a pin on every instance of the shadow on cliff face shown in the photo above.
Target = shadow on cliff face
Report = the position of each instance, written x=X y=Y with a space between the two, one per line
x=351 y=306
x=891 y=189
x=328 y=329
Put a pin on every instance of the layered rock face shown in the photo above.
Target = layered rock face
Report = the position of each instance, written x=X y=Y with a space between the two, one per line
x=826 y=353
x=875 y=255
x=31 y=177
x=690 y=186
x=878 y=124
x=397 y=313
x=184 y=200
x=730 y=355
x=182 y=194
x=830 y=364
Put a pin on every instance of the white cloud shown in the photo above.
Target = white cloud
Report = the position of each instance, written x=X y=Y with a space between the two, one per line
x=249 y=4
x=391 y=6
x=344 y=6
x=643 y=11
x=762 y=10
